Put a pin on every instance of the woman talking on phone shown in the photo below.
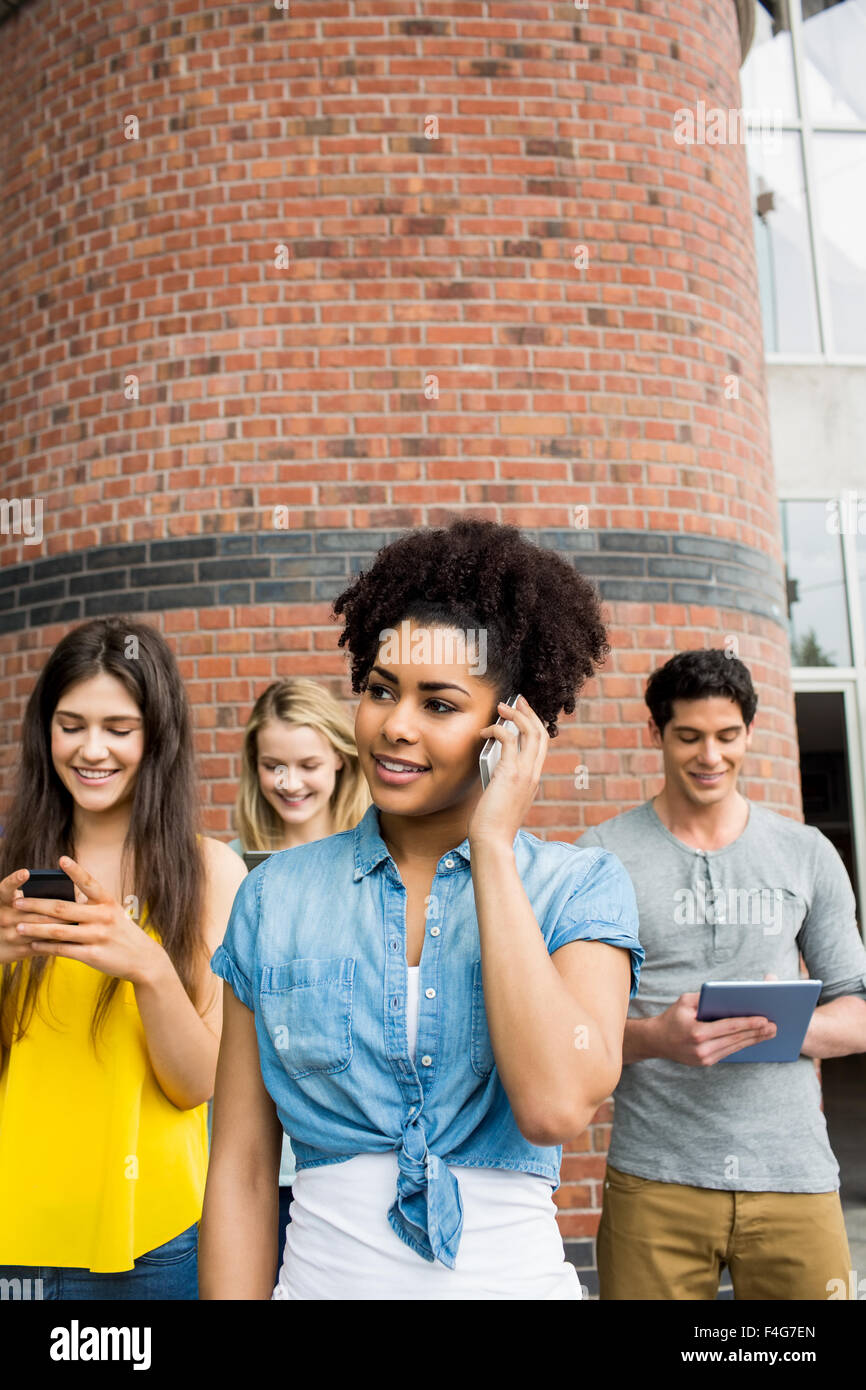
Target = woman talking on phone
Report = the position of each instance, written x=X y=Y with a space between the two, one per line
x=109 y=1014
x=432 y=1002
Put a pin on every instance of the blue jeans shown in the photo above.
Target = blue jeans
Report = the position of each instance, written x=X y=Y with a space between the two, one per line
x=169 y=1271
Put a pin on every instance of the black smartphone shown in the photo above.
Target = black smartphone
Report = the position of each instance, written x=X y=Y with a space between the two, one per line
x=254 y=857
x=49 y=883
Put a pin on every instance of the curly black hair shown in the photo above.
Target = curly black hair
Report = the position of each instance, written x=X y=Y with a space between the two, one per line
x=696 y=675
x=545 y=633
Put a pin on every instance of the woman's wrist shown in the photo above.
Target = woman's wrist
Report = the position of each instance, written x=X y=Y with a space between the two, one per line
x=491 y=847
x=154 y=969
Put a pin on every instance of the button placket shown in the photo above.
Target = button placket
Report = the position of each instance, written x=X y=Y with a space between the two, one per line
x=726 y=935
x=395 y=996
x=429 y=1021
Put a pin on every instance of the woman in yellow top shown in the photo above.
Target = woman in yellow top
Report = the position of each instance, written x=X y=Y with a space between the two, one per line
x=109 y=1021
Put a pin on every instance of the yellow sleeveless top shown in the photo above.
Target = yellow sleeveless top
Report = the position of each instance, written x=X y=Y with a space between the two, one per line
x=97 y=1166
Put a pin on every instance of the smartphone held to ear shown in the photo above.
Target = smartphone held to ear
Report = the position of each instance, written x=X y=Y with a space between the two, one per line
x=492 y=750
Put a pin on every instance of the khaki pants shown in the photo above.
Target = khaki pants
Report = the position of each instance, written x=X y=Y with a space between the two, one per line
x=663 y=1240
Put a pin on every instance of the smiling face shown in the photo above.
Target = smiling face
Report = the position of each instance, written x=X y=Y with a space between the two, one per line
x=428 y=715
x=97 y=742
x=297 y=770
x=703 y=745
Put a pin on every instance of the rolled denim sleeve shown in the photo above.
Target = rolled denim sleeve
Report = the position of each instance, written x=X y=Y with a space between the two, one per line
x=233 y=960
x=603 y=908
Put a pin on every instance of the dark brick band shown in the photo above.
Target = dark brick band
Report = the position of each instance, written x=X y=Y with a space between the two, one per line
x=314 y=566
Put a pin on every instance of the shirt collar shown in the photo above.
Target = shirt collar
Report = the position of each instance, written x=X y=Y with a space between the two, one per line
x=370 y=848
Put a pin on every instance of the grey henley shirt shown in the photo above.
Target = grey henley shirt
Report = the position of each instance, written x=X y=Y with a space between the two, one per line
x=736 y=913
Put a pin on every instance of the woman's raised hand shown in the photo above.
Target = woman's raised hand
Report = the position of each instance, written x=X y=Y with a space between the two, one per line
x=505 y=802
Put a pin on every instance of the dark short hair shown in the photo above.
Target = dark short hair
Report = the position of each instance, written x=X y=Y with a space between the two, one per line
x=698 y=675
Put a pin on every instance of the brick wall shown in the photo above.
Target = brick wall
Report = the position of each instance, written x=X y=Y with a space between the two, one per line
x=505 y=289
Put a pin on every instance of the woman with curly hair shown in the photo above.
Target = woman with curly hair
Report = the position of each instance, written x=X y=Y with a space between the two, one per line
x=432 y=1002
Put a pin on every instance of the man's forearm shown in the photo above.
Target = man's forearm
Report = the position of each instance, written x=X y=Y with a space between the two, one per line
x=640 y=1041
x=837 y=1029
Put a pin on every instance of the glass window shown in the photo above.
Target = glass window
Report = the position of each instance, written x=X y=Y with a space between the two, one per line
x=861 y=558
x=840 y=211
x=767 y=76
x=817 y=602
x=834 y=57
x=782 y=244
x=825 y=770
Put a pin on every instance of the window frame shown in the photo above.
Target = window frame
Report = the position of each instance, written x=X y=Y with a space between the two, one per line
x=807 y=128
x=850 y=681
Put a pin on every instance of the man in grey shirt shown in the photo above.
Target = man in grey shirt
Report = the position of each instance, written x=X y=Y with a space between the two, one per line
x=724 y=1165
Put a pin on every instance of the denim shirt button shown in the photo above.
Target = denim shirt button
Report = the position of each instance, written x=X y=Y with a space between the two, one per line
x=411 y=1110
x=431 y=993
x=449 y=863
x=434 y=931
x=426 y=1061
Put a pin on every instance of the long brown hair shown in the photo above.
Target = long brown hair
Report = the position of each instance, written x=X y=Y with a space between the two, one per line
x=298 y=700
x=161 y=856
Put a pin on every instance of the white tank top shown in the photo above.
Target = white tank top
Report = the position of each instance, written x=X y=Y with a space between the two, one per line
x=339 y=1244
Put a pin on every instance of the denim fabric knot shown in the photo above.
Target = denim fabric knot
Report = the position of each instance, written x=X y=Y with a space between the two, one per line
x=428 y=1212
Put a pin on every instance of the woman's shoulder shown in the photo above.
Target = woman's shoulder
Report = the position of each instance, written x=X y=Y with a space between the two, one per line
x=329 y=849
x=587 y=871
x=564 y=855
x=221 y=860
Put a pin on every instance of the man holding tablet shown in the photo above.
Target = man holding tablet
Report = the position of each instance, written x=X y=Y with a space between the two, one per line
x=713 y=1165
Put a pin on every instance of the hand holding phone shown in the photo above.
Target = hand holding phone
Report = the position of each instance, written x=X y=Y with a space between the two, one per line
x=490 y=754
x=98 y=931
x=51 y=884
x=504 y=802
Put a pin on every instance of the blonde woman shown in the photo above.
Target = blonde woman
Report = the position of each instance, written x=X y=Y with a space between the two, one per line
x=301 y=780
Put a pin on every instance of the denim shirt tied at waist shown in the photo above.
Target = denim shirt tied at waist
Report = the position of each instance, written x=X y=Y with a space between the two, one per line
x=316 y=948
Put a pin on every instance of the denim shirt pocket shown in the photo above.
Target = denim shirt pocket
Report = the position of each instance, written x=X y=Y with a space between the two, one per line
x=480 y=1047
x=306 y=1008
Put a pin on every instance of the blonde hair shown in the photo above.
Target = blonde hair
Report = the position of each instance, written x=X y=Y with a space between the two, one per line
x=298 y=701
